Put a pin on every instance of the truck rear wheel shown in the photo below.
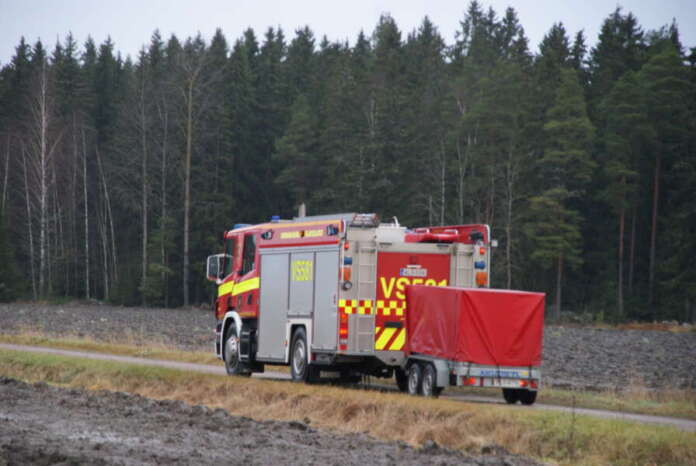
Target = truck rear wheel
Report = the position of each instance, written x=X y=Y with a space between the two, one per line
x=527 y=397
x=300 y=369
x=401 y=380
x=511 y=395
x=415 y=379
x=429 y=384
x=233 y=363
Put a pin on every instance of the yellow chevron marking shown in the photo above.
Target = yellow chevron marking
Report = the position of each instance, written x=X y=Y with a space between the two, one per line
x=399 y=341
x=384 y=338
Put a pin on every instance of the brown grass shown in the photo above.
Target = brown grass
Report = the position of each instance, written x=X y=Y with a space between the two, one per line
x=544 y=435
x=128 y=344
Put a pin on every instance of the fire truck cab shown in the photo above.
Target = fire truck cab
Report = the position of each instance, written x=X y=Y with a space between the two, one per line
x=328 y=293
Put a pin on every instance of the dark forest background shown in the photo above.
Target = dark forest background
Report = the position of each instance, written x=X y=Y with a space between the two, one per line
x=119 y=176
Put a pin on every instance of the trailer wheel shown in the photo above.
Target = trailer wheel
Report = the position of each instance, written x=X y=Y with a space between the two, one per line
x=415 y=379
x=401 y=380
x=511 y=395
x=429 y=386
x=300 y=369
x=233 y=364
x=527 y=397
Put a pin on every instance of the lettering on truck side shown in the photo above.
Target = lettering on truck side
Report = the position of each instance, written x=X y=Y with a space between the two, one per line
x=388 y=285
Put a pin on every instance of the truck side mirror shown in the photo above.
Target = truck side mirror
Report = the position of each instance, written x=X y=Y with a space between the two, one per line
x=214 y=267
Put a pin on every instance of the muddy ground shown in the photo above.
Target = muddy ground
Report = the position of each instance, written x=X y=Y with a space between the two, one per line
x=582 y=358
x=40 y=424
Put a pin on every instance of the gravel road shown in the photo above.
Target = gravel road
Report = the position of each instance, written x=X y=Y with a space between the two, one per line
x=584 y=358
x=40 y=424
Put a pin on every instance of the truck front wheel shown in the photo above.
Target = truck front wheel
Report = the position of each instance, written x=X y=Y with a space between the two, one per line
x=415 y=379
x=233 y=363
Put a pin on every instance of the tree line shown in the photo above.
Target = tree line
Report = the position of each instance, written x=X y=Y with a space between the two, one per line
x=120 y=175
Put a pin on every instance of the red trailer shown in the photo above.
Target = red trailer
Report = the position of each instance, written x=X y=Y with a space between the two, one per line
x=474 y=337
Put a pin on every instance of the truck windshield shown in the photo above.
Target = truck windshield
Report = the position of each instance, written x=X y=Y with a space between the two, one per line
x=229 y=256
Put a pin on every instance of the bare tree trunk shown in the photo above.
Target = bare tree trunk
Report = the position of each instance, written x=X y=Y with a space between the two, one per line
x=187 y=186
x=27 y=195
x=443 y=164
x=163 y=219
x=143 y=140
x=510 y=177
x=7 y=173
x=43 y=175
x=653 y=234
x=559 y=277
x=101 y=223
x=631 y=259
x=84 y=185
x=622 y=216
x=108 y=219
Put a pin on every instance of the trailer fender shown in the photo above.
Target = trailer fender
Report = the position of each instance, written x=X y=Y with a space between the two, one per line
x=442 y=371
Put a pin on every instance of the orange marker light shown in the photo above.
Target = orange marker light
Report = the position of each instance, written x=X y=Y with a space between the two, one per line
x=482 y=251
x=481 y=278
x=347 y=273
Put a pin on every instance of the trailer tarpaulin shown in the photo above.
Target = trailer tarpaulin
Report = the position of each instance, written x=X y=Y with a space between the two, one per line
x=481 y=326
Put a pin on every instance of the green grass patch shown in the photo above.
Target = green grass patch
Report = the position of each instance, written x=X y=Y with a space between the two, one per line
x=151 y=351
x=549 y=436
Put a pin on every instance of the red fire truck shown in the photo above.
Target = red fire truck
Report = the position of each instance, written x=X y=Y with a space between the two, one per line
x=328 y=294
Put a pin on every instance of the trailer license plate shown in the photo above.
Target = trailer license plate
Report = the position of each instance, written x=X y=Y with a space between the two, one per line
x=505 y=383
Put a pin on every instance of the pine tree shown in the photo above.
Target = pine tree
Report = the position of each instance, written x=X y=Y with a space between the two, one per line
x=566 y=169
x=667 y=89
x=625 y=136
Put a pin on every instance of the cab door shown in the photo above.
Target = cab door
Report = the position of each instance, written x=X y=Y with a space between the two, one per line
x=246 y=290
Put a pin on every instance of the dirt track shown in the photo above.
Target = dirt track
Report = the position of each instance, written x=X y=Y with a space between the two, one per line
x=40 y=424
x=584 y=358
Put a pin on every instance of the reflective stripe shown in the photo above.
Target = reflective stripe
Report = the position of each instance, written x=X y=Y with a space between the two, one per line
x=238 y=288
x=246 y=285
x=225 y=288
x=384 y=338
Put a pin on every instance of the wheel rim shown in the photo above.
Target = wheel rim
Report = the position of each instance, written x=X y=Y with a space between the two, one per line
x=412 y=381
x=231 y=351
x=428 y=384
x=298 y=358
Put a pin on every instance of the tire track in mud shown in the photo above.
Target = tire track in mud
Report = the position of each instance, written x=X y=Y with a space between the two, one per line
x=681 y=424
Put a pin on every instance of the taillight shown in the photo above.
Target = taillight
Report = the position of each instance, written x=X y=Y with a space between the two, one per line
x=523 y=383
x=482 y=251
x=343 y=330
x=533 y=384
x=468 y=380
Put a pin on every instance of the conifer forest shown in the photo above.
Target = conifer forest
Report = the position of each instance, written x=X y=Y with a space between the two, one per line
x=118 y=175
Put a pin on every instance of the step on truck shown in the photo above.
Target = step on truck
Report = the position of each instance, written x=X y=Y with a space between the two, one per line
x=327 y=295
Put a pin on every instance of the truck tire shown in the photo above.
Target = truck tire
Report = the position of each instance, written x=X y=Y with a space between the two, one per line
x=233 y=364
x=401 y=380
x=511 y=395
x=429 y=386
x=415 y=379
x=527 y=397
x=300 y=369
